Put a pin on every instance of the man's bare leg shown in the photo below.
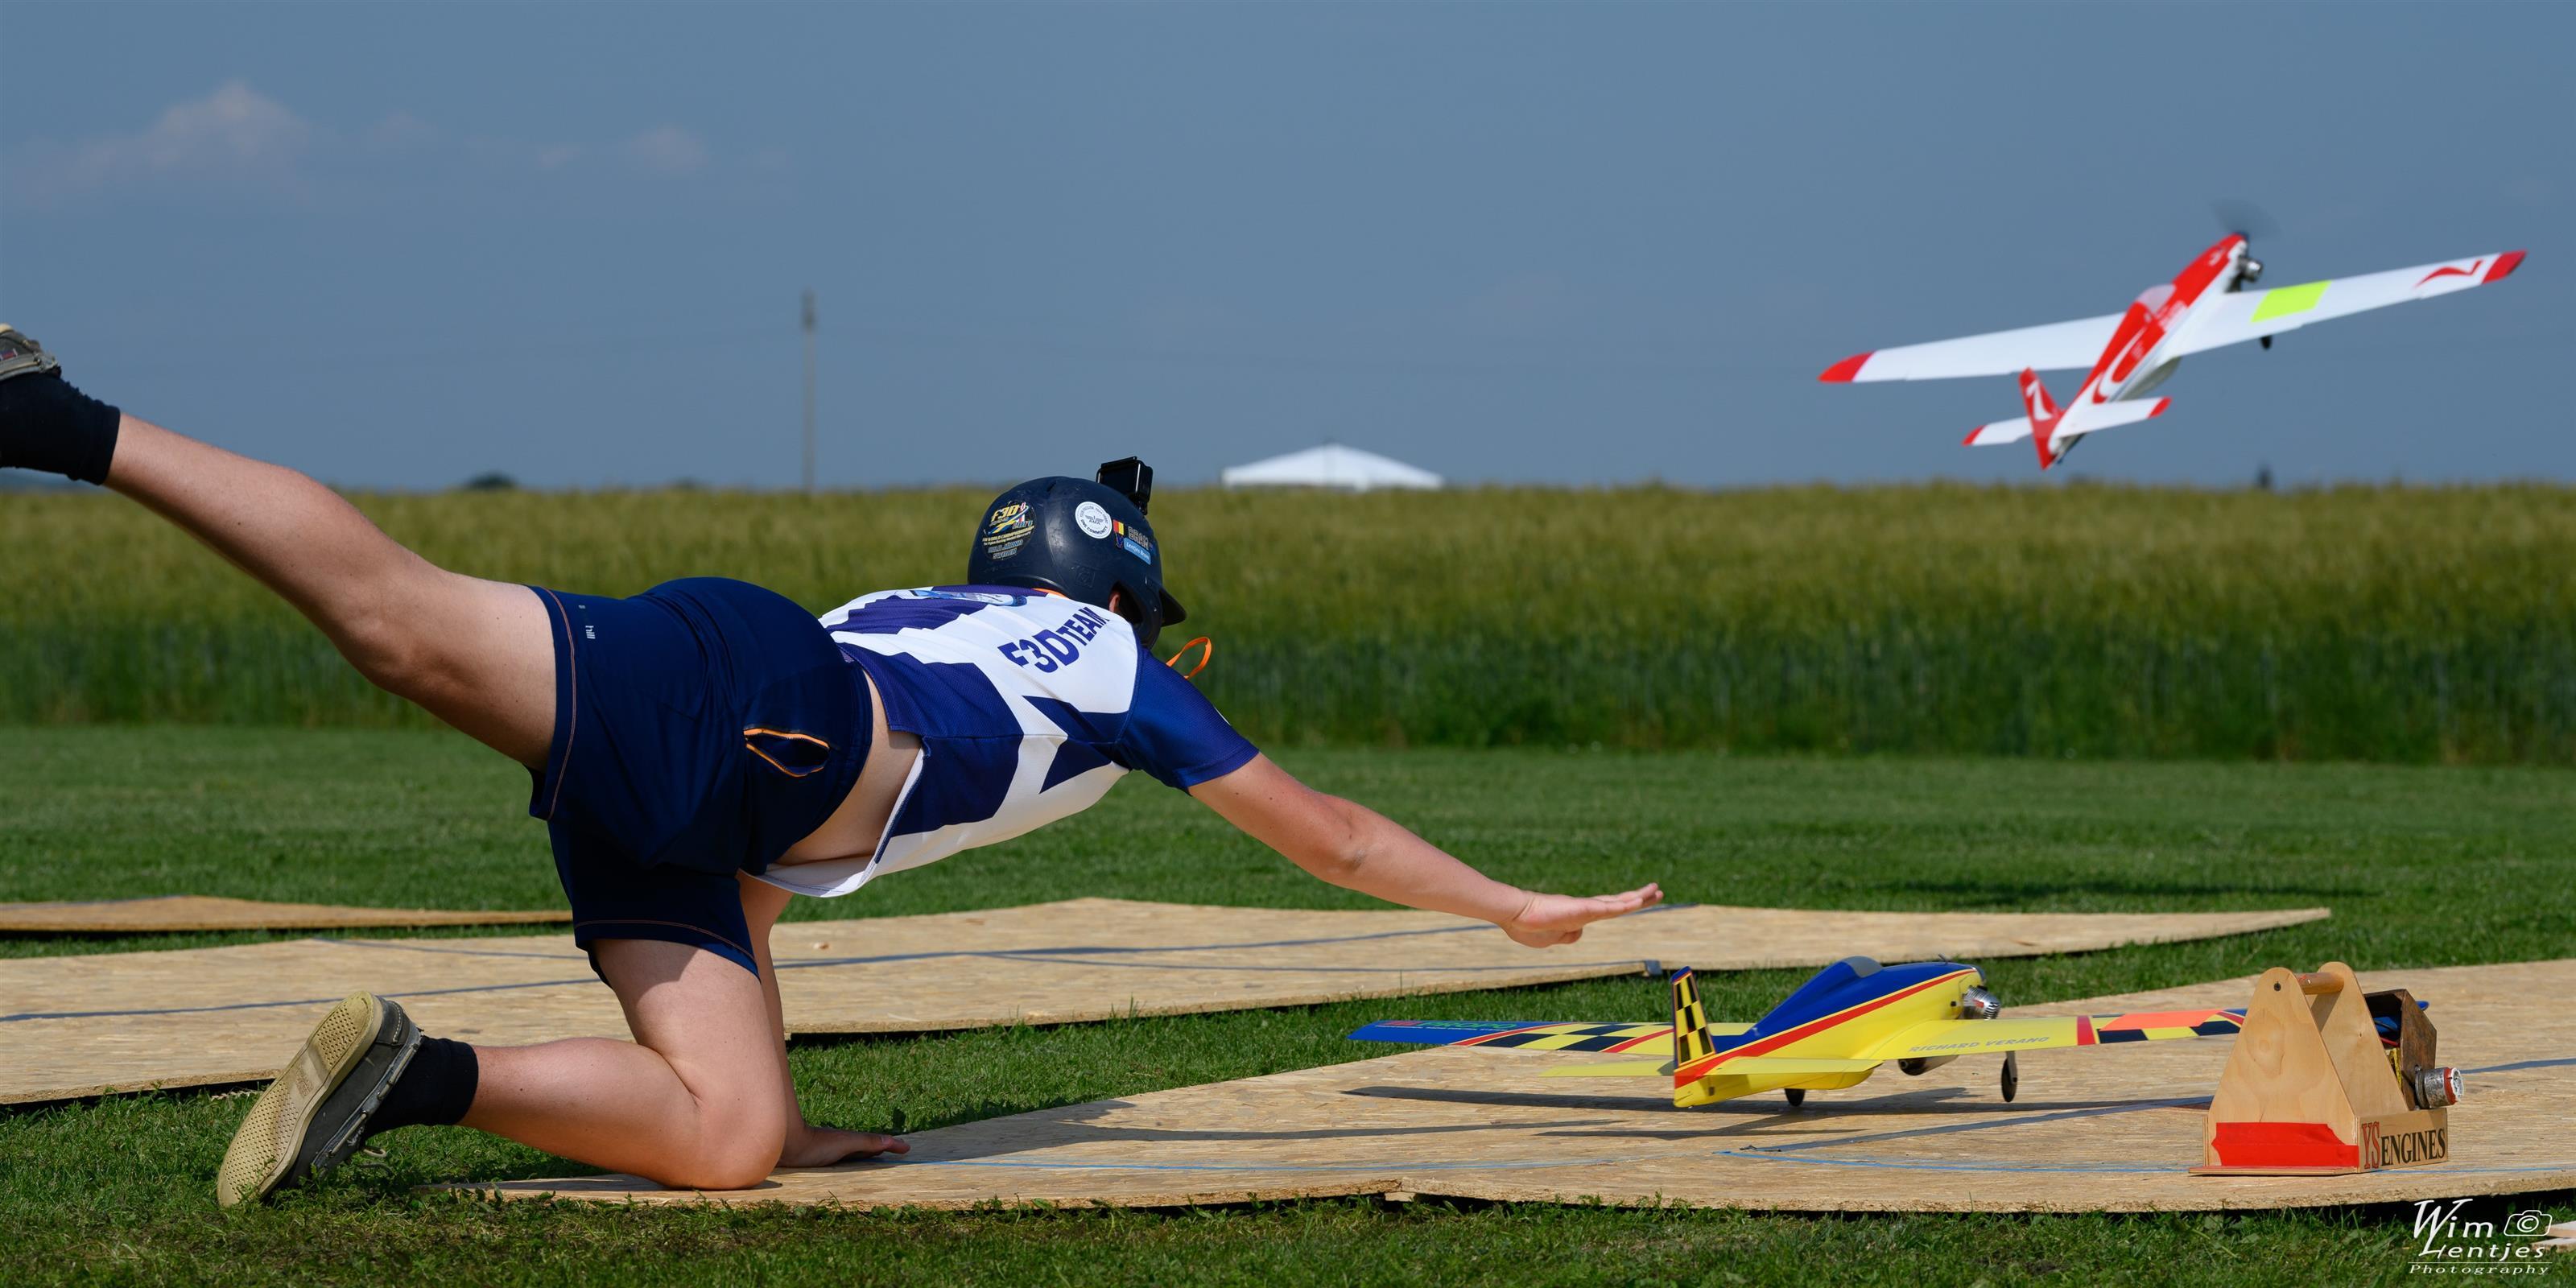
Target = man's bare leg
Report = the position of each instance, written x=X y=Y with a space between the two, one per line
x=476 y=654
x=702 y=1098
x=807 y=1144
x=696 y=1101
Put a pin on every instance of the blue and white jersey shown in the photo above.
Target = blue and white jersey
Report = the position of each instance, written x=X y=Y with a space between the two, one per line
x=1028 y=706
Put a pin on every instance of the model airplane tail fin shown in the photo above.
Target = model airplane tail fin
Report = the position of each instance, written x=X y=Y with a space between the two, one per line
x=1690 y=1024
x=2043 y=414
x=2109 y=415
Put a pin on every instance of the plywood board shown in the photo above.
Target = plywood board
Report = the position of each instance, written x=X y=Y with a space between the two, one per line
x=2108 y=1128
x=174 y=913
x=91 y=1025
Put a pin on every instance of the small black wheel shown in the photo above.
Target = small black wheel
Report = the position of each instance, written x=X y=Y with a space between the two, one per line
x=2012 y=1075
x=1797 y=1096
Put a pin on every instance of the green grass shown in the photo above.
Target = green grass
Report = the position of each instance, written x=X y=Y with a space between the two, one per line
x=2388 y=624
x=2424 y=866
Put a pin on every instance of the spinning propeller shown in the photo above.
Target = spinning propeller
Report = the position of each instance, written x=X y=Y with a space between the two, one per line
x=2246 y=220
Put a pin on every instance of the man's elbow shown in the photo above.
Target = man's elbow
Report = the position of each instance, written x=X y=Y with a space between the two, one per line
x=1341 y=858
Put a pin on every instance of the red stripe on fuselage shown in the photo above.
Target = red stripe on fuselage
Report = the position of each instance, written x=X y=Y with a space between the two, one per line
x=1699 y=1068
x=2141 y=331
x=2204 y=271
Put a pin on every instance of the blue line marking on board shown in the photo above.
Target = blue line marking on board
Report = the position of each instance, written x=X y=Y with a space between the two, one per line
x=1069 y=955
x=1790 y=1153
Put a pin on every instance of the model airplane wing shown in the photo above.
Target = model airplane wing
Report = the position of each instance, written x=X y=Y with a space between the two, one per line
x=1990 y=1037
x=1751 y=1066
x=1614 y=1069
x=2058 y=346
x=2251 y=315
x=1525 y=1036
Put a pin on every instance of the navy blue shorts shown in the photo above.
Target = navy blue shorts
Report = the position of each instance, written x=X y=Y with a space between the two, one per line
x=701 y=728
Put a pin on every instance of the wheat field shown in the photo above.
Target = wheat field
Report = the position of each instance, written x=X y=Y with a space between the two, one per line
x=2369 y=623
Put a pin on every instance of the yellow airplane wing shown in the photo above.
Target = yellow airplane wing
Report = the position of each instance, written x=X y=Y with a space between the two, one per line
x=1752 y=1066
x=1989 y=1037
x=1614 y=1069
x=1787 y=1066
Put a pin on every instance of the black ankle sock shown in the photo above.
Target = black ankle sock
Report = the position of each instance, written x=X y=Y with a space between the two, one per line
x=434 y=1092
x=45 y=424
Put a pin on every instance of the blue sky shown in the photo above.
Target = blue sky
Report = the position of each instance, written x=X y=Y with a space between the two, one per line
x=400 y=244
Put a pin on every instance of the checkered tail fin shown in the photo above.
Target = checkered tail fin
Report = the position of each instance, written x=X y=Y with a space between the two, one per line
x=1690 y=1023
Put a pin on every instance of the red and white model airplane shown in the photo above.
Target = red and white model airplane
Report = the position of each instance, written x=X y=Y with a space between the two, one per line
x=2131 y=353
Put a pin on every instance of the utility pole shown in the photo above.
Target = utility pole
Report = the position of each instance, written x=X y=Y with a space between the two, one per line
x=809 y=393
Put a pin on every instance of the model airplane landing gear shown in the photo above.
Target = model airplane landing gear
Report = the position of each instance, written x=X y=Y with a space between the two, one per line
x=1797 y=1096
x=2012 y=1075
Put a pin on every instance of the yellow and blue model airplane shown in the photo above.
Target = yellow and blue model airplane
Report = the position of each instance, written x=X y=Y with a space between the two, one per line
x=1833 y=1032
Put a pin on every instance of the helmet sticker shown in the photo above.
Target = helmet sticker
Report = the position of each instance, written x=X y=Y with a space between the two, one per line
x=1093 y=520
x=1006 y=529
x=1008 y=517
x=1136 y=541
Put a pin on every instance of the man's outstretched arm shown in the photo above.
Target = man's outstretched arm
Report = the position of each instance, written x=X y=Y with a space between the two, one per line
x=1357 y=848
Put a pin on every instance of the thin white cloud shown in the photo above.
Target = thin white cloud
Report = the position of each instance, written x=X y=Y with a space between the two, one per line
x=666 y=150
x=403 y=130
x=235 y=133
x=241 y=139
x=512 y=155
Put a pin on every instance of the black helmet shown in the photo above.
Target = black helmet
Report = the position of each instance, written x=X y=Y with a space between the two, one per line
x=1082 y=540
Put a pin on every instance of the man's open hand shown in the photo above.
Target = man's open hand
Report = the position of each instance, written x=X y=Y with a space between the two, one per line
x=813 y=1146
x=1551 y=919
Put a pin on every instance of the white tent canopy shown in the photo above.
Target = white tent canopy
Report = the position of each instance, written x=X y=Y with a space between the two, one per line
x=1331 y=465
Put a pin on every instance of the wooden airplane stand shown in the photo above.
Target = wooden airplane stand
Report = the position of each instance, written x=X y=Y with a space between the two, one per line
x=2311 y=1090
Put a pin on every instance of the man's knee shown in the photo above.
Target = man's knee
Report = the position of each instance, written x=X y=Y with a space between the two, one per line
x=730 y=1172
x=739 y=1142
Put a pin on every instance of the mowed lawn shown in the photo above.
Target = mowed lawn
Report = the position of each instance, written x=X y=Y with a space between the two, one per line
x=2423 y=866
